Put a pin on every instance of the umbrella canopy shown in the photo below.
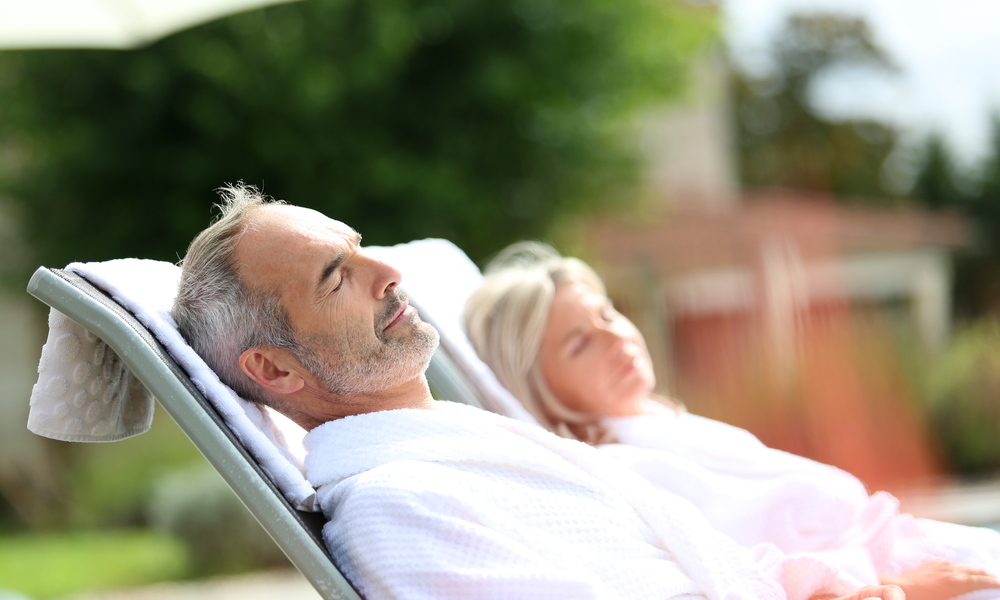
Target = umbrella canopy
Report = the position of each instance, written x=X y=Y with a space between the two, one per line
x=106 y=23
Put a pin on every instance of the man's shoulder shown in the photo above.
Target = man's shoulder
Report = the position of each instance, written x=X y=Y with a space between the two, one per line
x=407 y=474
x=353 y=445
x=403 y=490
x=422 y=476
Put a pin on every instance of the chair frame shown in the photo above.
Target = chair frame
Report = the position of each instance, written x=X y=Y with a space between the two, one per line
x=297 y=533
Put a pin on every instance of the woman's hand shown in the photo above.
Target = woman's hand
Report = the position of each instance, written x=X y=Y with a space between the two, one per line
x=941 y=580
x=874 y=592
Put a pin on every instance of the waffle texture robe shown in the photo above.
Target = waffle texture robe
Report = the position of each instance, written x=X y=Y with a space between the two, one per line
x=459 y=503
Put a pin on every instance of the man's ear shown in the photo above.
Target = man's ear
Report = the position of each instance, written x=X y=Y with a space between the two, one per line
x=273 y=368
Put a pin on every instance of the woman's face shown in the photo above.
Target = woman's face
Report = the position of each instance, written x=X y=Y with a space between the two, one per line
x=593 y=358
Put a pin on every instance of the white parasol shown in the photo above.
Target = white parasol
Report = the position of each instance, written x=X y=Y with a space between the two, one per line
x=106 y=23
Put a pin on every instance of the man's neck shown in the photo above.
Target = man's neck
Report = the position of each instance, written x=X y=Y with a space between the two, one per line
x=312 y=406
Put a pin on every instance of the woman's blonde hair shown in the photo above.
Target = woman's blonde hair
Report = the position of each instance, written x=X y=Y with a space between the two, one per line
x=505 y=319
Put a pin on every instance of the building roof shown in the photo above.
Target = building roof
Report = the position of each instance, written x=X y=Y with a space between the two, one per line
x=682 y=242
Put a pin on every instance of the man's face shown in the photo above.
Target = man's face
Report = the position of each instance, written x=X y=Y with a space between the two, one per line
x=358 y=333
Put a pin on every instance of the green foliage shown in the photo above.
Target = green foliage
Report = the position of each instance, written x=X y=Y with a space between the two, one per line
x=976 y=193
x=92 y=486
x=782 y=141
x=984 y=201
x=53 y=565
x=196 y=506
x=962 y=390
x=940 y=184
x=108 y=485
x=475 y=121
x=936 y=185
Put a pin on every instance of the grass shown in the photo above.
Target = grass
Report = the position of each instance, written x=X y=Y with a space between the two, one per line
x=51 y=565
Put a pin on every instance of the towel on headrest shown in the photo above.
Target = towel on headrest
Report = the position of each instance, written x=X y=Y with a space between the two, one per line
x=438 y=277
x=85 y=393
x=146 y=288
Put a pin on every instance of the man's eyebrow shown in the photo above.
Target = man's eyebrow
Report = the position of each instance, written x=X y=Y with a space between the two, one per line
x=333 y=265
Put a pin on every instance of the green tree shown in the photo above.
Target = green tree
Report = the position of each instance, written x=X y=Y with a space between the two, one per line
x=984 y=204
x=976 y=193
x=475 y=121
x=782 y=140
x=936 y=185
x=978 y=272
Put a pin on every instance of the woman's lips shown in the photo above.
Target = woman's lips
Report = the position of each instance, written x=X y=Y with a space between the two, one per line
x=630 y=365
x=405 y=311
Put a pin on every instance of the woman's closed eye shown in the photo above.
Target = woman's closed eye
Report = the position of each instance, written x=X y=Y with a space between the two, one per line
x=578 y=344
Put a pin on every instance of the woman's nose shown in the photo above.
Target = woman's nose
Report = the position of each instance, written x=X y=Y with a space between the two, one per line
x=615 y=340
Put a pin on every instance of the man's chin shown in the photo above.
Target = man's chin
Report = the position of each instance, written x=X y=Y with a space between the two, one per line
x=431 y=339
x=405 y=361
x=433 y=333
x=416 y=349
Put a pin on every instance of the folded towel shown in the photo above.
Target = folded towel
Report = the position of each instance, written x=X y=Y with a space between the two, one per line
x=85 y=393
x=146 y=288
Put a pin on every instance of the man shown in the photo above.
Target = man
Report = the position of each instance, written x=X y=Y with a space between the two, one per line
x=429 y=499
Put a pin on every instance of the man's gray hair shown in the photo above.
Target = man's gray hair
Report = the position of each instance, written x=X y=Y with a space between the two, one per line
x=218 y=315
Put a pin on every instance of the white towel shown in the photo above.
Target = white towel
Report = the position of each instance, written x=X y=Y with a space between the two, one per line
x=85 y=393
x=456 y=502
x=146 y=288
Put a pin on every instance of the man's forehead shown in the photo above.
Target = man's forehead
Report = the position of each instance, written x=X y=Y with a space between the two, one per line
x=298 y=220
x=280 y=239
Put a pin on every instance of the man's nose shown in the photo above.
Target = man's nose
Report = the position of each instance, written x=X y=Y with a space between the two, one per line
x=386 y=278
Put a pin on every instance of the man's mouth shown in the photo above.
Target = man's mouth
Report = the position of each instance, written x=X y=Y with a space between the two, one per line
x=401 y=313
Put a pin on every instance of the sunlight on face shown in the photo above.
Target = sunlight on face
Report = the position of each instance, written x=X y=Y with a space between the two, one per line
x=593 y=358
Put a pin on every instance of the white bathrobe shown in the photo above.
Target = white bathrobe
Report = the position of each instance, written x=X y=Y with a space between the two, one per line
x=459 y=503
x=753 y=493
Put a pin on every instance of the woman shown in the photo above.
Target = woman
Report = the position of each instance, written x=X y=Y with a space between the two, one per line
x=569 y=384
x=545 y=326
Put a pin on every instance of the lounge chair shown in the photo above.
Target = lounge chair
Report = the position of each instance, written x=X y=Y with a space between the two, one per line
x=265 y=478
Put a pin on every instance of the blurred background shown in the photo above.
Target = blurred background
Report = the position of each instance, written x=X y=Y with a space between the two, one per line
x=797 y=201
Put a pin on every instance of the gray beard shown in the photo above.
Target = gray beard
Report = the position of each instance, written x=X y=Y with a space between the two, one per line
x=362 y=371
x=379 y=371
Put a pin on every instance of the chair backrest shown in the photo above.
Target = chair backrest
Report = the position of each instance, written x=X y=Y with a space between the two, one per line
x=297 y=533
